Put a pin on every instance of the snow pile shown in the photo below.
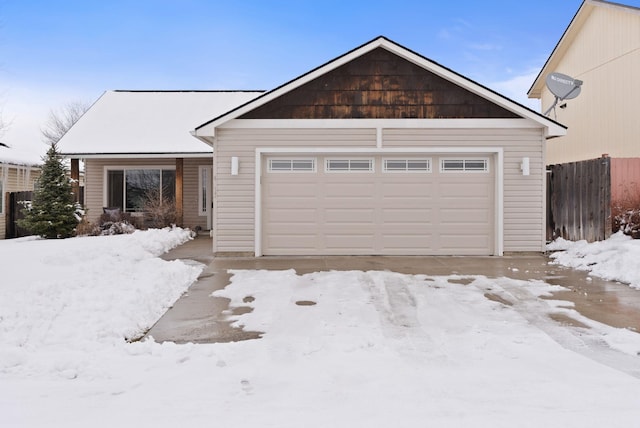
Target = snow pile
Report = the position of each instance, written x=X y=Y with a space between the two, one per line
x=80 y=295
x=616 y=259
x=340 y=349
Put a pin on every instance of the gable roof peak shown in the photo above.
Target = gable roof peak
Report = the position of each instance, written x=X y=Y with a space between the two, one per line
x=207 y=129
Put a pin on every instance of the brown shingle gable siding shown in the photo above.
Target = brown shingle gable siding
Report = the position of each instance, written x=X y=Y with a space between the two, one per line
x=379 y=85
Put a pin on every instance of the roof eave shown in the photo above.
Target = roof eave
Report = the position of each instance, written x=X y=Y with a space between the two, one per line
x=581 y=15
x=138 y=155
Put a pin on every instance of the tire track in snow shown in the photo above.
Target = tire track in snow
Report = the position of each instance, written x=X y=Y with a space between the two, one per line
x=397 y=309
x=583 y=341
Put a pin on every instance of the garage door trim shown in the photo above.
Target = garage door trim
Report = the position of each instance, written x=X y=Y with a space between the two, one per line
x=302 y=151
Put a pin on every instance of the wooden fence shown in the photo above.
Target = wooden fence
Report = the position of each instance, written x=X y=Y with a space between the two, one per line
x=14 y=213
x=579 y=200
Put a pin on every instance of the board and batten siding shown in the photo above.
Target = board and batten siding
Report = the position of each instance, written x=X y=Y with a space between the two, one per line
x=94 y=185
x=234 y=211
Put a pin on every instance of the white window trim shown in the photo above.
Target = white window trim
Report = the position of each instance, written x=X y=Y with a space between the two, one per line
x=407 y=170
x=292 y=159
x=498 y=152
x=105 y=176
x=464 y=170
x=1 y=196
x=349 y=159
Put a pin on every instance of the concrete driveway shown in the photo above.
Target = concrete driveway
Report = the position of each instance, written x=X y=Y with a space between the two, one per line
x=199 y=318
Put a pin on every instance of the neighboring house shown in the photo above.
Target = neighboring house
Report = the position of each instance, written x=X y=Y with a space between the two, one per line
x=133 y=142
x=601 y=47
x=379 y=151
x=15 y=176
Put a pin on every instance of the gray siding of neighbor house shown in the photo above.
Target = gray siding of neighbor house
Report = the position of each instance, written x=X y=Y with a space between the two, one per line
x=95 y=185
x=234 y=211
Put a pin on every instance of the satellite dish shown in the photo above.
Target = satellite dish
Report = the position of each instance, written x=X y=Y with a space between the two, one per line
x=563 y=87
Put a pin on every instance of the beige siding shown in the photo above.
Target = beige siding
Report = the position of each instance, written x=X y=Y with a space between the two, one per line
x=523 y=195
x=15 y=178
x=605 y=55
x=94 y=186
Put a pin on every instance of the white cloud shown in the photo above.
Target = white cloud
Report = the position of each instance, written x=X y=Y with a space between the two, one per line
x=516 y=88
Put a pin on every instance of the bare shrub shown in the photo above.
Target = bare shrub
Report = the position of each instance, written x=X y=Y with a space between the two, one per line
x=159 y=211
x=626 y=212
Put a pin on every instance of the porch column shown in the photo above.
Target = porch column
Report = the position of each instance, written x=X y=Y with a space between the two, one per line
x=75 y=179
x=179 y=190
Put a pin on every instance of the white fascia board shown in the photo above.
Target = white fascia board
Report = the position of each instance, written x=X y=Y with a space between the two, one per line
x=497 y=151
x=381 y=123
x=136 y=155
x=207 y=139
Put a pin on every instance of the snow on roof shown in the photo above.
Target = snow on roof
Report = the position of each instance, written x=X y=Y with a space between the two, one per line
x=15 y=161
x=154 y=122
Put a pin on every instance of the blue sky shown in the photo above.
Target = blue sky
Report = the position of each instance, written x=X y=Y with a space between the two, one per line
x=55 y=52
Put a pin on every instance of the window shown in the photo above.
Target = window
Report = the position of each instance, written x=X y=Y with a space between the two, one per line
x=464 y=165
x=204 y=194
x=407 y=165
x=129 y=189
x=349 y=165
x=292 y=165
x=1 y=197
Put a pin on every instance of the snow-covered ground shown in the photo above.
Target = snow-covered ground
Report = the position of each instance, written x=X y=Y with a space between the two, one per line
x=615 y=259
x=378 y=349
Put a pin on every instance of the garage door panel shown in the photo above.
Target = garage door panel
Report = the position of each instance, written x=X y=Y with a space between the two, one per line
x=402 y=216
x=286 y=216
x=292 y=243
x=348 y=189
x=363 y=242
x=409 y=189
x=346 y=203
x=469 y=216
x=397 y=243
x=289 y=190
x=465 y=189
x=464 y=243
x=349 y=215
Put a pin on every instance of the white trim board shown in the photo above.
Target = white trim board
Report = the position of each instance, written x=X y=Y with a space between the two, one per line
x=499 y=178
x=381 y=124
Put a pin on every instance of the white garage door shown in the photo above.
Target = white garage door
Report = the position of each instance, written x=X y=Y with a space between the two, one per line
x=378 y=205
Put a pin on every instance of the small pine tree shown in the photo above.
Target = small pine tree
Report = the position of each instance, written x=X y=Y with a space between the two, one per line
x=52 y=213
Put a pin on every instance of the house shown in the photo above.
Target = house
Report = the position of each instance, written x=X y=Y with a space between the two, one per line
x=15 y=176
x=135 y=142
x=379 y=151
x=601 y=47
